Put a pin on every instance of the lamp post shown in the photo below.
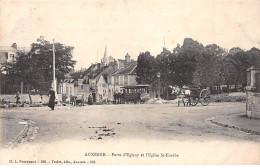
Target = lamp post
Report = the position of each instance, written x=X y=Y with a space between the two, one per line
x=158 y=76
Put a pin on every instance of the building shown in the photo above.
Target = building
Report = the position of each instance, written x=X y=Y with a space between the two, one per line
x=10 y=53
x=102 y=80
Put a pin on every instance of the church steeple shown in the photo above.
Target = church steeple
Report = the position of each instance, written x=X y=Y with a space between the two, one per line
x=105 y=55
x=104 y=61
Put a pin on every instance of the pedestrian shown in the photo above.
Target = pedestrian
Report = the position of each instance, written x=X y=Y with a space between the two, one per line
x=41 y=99
x=18 y=98
x=90 y=99
x=52 y=98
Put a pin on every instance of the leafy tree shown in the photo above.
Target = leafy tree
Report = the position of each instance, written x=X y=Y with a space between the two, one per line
x=254 y=56
x=229 y=74
x=146 y=68
x=243 y=60
x=235 y=50
x=184 y=69
x=216 y=50
x=208 y=66
x=164 y=65
x=177 y=50
x=186 y=61
x=35 y=68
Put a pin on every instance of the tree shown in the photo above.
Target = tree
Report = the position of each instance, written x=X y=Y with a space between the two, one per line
x=228 y=71
x=164 y=66
x=186 y=61
x=235 y=50
x=208 y=66
x=216 y=50
x=254 y=56
x=146 y=68
x=35 y=68
x=184 y=69
x=177 y=50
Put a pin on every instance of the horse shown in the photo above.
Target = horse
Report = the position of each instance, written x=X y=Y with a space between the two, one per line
x=118 y=97
x=182 y=95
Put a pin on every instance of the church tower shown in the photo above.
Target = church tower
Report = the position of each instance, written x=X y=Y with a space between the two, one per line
x=127 y=58
x=104 y=60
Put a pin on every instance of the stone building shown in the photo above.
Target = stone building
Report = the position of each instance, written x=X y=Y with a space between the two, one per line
x=102 y=80
x=10 y=53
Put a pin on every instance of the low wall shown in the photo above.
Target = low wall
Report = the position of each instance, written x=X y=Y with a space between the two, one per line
x=25 y=98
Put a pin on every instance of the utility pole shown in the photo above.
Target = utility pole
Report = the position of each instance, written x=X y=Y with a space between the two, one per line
x=163 y=41
x=97 y=55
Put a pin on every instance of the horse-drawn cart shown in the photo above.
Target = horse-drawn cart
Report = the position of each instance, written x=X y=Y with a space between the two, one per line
x=77 y=100
x=193 y=96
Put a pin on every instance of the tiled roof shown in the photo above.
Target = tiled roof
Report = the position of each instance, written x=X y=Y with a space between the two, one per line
x=127 y=70
x=9 y=48
x=116 y=71
x=96 y=73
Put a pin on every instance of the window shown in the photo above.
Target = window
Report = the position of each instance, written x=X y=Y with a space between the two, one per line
x=11 y=57
x=121 y=80
x=67 y=88
x=116 y=78
x=126 y=79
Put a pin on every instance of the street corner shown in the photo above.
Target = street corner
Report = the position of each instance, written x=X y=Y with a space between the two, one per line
x=238 y=121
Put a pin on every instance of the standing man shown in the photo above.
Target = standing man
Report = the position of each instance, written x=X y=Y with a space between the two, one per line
x=52 y=98
x=17 y=98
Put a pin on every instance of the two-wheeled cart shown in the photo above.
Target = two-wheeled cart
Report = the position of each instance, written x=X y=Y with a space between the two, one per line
x=194 y=96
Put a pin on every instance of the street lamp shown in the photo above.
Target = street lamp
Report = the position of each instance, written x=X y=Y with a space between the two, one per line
x=158 y=76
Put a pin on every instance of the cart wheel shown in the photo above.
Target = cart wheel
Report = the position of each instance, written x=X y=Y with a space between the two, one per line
x=204 y=97
x=194 y=101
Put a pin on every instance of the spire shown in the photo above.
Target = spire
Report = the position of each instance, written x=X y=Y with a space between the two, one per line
x=105 y=56
x=104 y=61
x=105 y=53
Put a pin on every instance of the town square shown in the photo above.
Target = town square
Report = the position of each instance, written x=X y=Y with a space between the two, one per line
x=129 y=83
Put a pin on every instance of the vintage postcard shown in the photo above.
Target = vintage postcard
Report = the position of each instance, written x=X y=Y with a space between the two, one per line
x=120 y=82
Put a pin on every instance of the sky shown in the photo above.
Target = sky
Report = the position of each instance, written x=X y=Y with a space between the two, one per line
x=129 y=26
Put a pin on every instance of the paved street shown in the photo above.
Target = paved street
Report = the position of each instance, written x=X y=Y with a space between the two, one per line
x=152 y=127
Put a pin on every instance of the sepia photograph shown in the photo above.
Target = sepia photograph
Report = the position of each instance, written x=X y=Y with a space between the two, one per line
x=129 y=82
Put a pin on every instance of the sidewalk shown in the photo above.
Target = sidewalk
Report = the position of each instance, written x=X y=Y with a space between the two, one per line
x=238 y=121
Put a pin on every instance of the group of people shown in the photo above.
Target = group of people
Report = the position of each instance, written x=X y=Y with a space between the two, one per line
x=51 y=103
x=52 y=97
